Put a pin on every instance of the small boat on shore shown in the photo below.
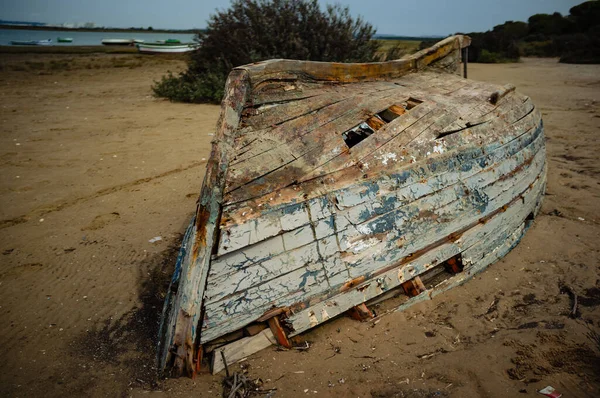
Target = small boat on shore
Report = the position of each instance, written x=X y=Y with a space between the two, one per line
x=168 y=42
x=333 y=186
x=117 y=42
x=164 y=48
x=64 y=39
x=46 y=42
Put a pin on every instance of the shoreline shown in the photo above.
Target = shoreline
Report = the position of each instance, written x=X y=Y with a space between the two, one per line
x=68 y=49
x=124 y=30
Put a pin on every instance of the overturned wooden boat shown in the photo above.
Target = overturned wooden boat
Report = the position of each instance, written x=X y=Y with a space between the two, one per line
x=331 y=184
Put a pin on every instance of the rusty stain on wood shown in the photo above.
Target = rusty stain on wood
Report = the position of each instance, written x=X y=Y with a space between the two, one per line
x=330 y=185
x=413 y=287
x=278 y=332
x=361 y=312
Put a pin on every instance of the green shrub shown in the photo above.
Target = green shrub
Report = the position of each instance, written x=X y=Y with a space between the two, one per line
x=545 y=48
x=488 y=57
x=183 y=88
x=257 y=30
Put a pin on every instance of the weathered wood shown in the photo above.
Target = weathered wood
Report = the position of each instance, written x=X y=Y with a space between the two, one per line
x=279 y=333
x=363 y=264
x=349 y=73
x=254 y=329
x=333 y=184
x=413 y=192
x=185 y=310
x=442 y=164
x=361 y=313
x=238 y=350
x=413 y=287
x=288 y=160
x=477 y=236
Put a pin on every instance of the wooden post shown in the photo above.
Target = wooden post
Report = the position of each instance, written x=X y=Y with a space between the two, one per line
x=465 y=56
x=414 y=287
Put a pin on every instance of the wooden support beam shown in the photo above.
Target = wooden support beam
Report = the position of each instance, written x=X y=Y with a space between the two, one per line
x=240 y=349
x=279 y=333
x=397 y=109
x=198 y=361
x=413 y=287
x=254 y=329
x=361 y=312
x=375 y=123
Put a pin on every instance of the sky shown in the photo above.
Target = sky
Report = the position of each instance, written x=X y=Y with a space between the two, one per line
x=400 y=17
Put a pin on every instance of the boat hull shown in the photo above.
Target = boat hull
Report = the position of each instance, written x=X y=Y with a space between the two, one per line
x=32 y=43
x=117 y=42
x=166 y=48
x=330 y=185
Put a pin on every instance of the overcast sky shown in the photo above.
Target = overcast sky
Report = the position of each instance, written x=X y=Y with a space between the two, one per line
x=401 y=17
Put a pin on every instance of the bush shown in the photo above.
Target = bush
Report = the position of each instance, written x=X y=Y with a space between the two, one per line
x=182 y=88
x=580 y=48
x=545 y=48
x=488 y=57
x=256 y=30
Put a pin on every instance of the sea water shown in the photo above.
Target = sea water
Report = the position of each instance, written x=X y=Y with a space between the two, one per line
x=86 y=38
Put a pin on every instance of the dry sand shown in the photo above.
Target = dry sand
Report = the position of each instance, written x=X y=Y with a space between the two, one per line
x=93 y=167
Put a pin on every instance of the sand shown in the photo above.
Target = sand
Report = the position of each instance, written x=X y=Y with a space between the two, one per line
x=93 y=168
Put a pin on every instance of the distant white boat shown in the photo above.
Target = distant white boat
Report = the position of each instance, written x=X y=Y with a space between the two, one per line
x=167 y=49
x=117 y=42
x=31 y=42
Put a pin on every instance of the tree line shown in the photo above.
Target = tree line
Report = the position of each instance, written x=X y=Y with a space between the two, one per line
x=574 y=38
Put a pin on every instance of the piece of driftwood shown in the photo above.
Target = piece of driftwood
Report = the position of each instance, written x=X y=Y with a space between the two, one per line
x=330 y=185
x=233 y=352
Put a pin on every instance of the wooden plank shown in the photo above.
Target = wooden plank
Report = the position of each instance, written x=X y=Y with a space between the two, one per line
x=244 y=307
x=235 y=236
x=238 y=350
x=254 y=329
x=184 y=313
x=331 y=71
x=237 y=280
x=273 y=114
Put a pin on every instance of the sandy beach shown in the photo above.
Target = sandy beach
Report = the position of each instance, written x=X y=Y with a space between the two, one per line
x=94 y=169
